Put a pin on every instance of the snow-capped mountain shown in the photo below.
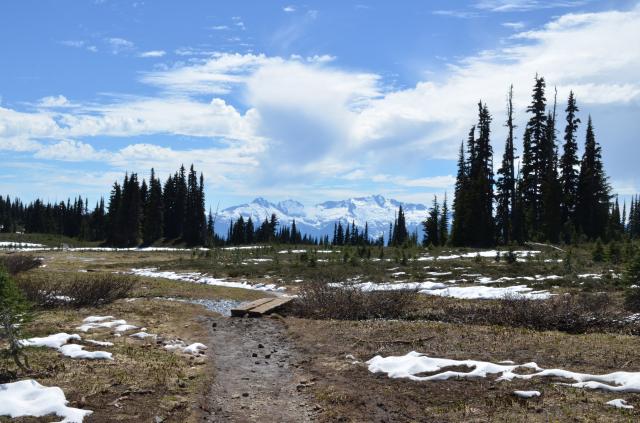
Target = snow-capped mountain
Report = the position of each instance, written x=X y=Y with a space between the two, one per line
x=319 y=219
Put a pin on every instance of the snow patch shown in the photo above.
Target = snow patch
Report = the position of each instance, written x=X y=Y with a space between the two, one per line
x=620 y=403
x=203 y=279
x=526 y=394
x=29 y=398
x=52 y=341
x=411 y=365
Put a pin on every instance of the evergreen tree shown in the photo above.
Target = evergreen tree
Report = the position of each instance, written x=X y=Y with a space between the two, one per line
x=533 y=164
x=431 y=226
x=461 y=210
x=153 y=212
x=506 y=184
x=568 y=164
x=400 y=234
x=593 y=190
x=550 y=189
x=443 y=222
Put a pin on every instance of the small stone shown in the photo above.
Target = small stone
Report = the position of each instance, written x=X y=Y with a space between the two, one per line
x=267 y=356
x=260 y=346
x=254 y=355
x=245 y=394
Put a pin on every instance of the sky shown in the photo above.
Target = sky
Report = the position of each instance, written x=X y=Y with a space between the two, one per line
x=314 y=100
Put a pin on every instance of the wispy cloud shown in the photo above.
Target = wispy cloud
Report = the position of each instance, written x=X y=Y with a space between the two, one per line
x=525 y=5
x=153 y=53
x=516 y=26
x=119 y=45
x=219 y=27
x=289 y=9
x=462 y=14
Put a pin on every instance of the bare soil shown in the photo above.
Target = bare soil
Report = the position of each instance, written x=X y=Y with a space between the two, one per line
x=256 y=373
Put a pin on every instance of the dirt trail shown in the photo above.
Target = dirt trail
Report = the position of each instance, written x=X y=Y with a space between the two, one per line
x=256 y=375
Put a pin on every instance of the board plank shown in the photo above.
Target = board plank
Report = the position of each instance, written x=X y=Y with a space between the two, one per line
x=244 y=309
x=268 y=307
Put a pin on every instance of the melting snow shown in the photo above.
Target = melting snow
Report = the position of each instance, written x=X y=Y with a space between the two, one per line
x=29 y=398
x=411 y=365
x=143 y=335
x=59 y=341
x=100 y=343
x=52 y=341
x=526 y=394
x=619 y=403
x=203 y=279
x=77 y=351
x=194 y=349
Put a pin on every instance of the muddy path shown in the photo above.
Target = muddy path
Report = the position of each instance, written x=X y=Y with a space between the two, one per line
x=257 y=374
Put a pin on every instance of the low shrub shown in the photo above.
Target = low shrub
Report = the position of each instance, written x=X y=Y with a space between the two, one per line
x=17 y=263
x=323 y=300
x=578 y=313
x=14 y=312
x=47 y=290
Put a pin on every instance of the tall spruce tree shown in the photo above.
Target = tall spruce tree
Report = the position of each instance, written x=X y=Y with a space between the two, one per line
x=593 y=190
x=506 y=183
x=536 y=134
x=443 y=222
x=568 y=167
x=461 y=210
x=481 y=182
x=431 y=226
x=153 y=212
x=550 y=188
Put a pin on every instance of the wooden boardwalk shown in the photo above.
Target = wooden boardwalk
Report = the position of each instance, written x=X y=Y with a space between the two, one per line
x=259 y=307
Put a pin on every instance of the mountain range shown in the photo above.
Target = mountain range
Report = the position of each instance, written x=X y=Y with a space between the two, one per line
x=319 y=219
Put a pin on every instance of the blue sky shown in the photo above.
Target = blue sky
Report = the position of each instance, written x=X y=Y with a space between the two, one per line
x=314 y=100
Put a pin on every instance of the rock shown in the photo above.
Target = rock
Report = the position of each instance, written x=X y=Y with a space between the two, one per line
x=260 y=346
x=254 y=355
x=245 y=394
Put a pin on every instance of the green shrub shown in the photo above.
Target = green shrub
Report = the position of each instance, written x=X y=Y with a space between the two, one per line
x=597 y=254
x=14 y=312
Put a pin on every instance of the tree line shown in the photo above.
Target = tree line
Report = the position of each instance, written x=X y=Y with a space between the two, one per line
x=551 y=196
x=137 y=213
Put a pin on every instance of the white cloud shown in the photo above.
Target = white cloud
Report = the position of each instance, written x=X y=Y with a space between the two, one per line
x=70 y=150
x=54 y=102
x=219 y=27
x=514 y=25
x=289 y=9
x=153 y=53
x=525 y=5
x=119 y=45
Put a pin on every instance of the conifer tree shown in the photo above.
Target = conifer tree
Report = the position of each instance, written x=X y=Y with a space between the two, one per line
x=593 y=190
x=153 y=212
x=533 y=165
x=506 y=183
x=443 y=222
x=431 y=226
x=461 y=209
x=568 y=164
x=550 y=188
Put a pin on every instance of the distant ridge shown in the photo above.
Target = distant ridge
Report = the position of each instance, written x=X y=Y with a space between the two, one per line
x=318 y=220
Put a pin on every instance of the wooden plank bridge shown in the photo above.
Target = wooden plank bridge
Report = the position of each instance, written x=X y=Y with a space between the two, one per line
x=260 y=307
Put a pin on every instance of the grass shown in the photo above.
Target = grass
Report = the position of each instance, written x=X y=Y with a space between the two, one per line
x=143 y=380
x=348 y=392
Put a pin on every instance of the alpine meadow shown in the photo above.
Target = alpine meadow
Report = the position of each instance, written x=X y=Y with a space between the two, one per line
x=328 y=211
